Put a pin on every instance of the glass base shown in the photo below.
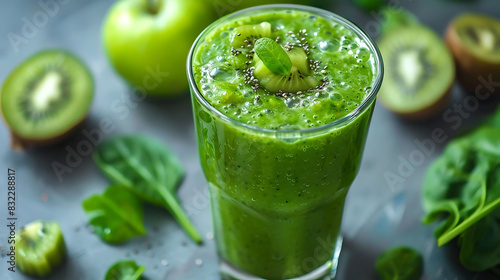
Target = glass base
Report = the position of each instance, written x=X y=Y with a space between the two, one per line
x=325 y=272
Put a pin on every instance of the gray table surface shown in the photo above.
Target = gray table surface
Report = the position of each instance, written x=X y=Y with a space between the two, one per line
x=377 y=215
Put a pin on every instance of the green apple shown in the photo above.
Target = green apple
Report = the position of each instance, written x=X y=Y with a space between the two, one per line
x=148 y=41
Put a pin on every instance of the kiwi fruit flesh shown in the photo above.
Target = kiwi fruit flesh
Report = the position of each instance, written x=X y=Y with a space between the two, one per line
x=245 y=35
x=419 y=72
x=299 y=78
x=40 y=248
x=45 y=98
x=474 y=41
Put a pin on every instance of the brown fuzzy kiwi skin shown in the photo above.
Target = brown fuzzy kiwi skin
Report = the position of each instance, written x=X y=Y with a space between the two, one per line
x=18 y=143
x=469 y=67
x=428 y=112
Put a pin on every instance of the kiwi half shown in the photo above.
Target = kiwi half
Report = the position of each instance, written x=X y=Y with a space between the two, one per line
x=298 y=79
x=40 y=248
x=474 y=41
x=419 y=72
x=45 y=98
x=244 y=35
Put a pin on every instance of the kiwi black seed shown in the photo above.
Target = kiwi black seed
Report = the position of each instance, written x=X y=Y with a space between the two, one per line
x=242 y=40
x=40 y=248
x=419 y=72
x=474 y=41
x=45 y=98
x=244 y=58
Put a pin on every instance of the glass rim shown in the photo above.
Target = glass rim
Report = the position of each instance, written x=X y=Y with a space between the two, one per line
x=367 y=101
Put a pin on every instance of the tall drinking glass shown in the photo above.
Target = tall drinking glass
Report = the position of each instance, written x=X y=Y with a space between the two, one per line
x=279 y=164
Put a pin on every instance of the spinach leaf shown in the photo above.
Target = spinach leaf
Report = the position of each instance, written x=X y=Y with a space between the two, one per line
x=464 y=183
x=124 y=270
x=400 y=263
x=116 y=215
x=480 y=244
x=149 y=169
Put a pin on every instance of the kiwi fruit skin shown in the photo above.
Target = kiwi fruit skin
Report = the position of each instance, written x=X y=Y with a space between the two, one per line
x=40 y=248
x=425 y=112
x=428 y=112
x=18 y=141
x=470 y=66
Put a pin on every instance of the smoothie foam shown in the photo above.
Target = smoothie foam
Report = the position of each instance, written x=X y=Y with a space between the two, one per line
x=337 y=56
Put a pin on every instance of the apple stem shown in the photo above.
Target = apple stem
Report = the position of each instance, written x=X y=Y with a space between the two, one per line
x=153 y=6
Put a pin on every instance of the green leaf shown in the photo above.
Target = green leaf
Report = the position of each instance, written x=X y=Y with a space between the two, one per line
x=273 y=56
x=149 y=169
x=124 y=270
x=400 y=263
x=480 y=244
x=116 y=215
x=464 y=183
x=463 y=187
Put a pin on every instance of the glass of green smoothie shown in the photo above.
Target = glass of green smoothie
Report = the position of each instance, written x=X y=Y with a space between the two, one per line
x=282 y=98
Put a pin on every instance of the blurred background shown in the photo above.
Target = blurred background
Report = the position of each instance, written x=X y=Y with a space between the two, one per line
x=378 y=214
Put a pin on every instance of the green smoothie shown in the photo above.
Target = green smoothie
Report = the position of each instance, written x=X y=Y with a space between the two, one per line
x=280 y=153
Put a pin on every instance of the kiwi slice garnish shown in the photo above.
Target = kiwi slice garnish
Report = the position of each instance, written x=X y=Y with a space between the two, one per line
x=299 y=78
x=474 y=41
x=244 y=36
x=419 y=72
x=45 y=98
x=40 y=248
